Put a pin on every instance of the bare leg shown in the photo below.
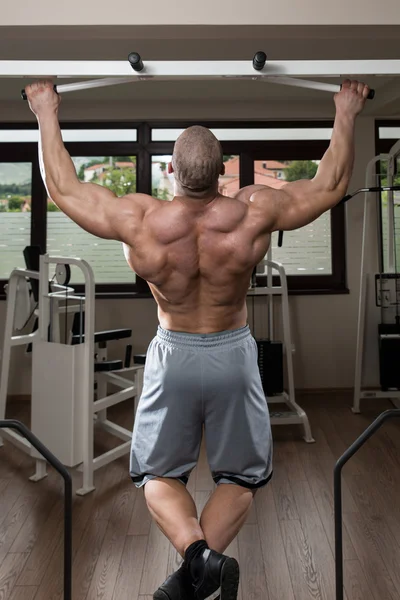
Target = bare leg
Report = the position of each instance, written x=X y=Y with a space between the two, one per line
x=224 y=515
x=174 y=511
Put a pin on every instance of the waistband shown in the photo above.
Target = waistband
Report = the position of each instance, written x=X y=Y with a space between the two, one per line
x=220 y=339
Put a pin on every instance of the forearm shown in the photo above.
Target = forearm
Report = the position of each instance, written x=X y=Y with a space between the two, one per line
x=57 y=168
x=306 y=200
x=335 y=169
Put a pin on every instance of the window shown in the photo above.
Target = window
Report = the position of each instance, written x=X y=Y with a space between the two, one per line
x=225 y=134
x=385 y=218
x=134 y=157
x=229 y=183
x=65 y=238
x=162 y=182
x=305 y=251
x=15 y=136
x=387 y=134
x=15 y=214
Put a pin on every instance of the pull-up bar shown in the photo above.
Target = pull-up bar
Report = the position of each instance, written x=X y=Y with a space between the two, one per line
x=259 y=69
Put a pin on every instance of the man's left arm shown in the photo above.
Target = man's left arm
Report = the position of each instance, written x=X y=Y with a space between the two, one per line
x=93 y=207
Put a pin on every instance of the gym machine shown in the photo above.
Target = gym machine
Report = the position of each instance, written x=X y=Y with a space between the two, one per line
x=64 y=410
x=275 y=356
x=381 y=289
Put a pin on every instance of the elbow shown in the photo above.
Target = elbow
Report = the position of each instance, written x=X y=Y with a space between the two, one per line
x=334 y=184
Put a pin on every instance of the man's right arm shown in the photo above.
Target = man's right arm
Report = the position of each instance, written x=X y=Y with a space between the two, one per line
x=301 y=202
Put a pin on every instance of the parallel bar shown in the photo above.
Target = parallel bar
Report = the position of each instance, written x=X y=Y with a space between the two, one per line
x=191 y=69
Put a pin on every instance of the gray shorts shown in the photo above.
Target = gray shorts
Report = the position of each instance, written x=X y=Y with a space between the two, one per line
x=196 y=380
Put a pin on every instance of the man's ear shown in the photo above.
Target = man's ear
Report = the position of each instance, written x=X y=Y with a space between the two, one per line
x=223 y=170
x=170 y=168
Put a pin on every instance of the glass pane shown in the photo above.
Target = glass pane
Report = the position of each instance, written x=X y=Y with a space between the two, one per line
x=305 y=251
x=72 y=135
x=229 y=183
x=389 y=133
x=249 y=134
x=385 y=217
x=15 y=215
x=162 y=183
x=65 y=238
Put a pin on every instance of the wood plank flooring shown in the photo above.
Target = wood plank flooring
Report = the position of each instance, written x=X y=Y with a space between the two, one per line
x=285 y=549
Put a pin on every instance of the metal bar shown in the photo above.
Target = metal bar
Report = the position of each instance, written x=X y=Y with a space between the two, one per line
x=380 y=394
x=337 y=478
x=116 y=379
x=88 y=379
x=17 y=440
x=391 y=249
x=105 y=82
x=120 y=432
x=192 y=69
x=58 y=466
x=264 y=291
x=20 y=340
x=362 y=299
x=93 y=83
x=116 y=398
x=111 y=455
x=304 y=83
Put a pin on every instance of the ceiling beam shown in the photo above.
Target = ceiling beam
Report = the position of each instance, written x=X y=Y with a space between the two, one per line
x=193 y=69
x=387 y=94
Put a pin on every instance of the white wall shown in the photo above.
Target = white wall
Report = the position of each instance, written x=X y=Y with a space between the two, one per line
x=207 y=12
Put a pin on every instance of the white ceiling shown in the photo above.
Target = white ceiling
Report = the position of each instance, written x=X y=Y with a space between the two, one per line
x=205 y=43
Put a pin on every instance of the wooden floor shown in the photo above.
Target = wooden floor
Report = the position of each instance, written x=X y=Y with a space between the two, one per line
x=285 y=549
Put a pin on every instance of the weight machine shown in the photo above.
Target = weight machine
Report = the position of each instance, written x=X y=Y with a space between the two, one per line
x=64 y=410
x=273 y=355
x=382 y=289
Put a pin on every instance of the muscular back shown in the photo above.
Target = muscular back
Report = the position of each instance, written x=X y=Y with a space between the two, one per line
x=198 y=259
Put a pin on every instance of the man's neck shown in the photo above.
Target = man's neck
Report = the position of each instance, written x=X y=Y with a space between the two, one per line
x=198 y=198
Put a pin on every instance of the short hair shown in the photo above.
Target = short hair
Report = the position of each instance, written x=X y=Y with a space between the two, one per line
x=197 y=159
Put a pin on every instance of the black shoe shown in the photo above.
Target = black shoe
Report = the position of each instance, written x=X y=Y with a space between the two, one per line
x=215 y=576
x=177 y=586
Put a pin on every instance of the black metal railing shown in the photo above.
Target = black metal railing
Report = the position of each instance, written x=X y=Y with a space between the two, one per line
x=388 y=414
x=24 y=431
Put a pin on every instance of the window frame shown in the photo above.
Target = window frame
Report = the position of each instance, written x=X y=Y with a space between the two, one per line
x=383 y=146
x=144 y=149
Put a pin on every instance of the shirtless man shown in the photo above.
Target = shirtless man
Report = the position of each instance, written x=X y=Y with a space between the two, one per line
x=198 y=253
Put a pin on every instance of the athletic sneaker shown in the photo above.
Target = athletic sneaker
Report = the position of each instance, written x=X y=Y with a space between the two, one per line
x=178 y=586
x=215 y=576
